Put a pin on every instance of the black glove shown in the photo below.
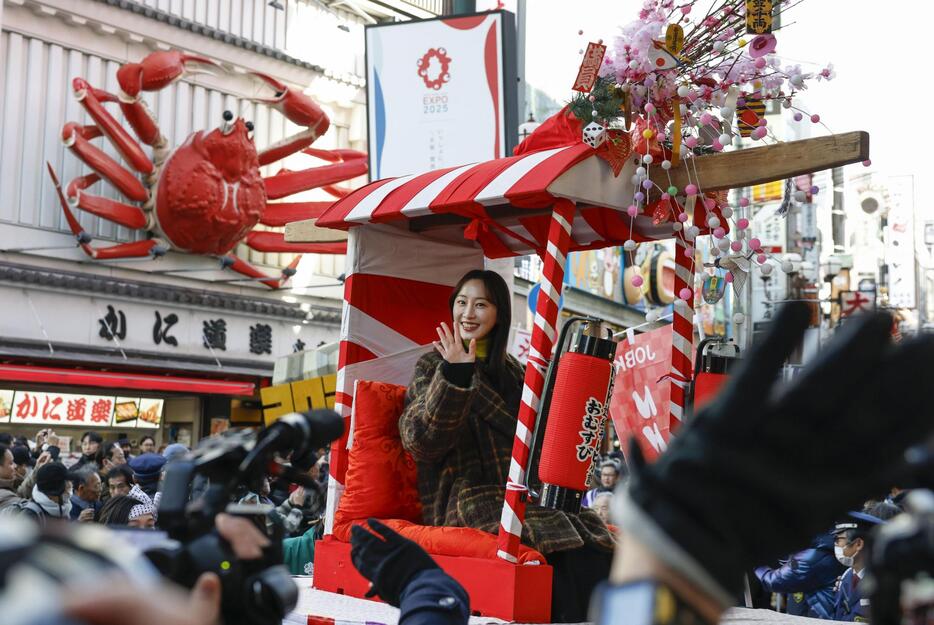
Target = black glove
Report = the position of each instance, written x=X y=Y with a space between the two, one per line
x=760 y=471
x=388 y=560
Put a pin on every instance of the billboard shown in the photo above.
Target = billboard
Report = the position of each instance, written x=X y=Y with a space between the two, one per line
x=440 y=92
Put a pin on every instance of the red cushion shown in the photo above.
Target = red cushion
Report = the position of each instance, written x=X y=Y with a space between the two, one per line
x=455 y=541
x=381 y=480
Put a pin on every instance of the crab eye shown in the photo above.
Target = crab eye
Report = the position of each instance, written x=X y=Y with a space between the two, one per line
x=228 y=116
x=249 y=126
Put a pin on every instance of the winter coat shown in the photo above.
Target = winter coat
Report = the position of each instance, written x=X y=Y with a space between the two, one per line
x=808 y=578
x=461 y=438
x=8 y=496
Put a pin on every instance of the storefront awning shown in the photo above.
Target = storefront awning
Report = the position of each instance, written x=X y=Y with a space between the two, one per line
x=120 y=380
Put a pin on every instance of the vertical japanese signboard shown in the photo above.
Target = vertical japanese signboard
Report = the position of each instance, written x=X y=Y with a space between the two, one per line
x=440 y=92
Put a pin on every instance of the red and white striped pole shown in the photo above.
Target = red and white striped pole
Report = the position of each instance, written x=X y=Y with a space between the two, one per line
x=682 y=335
x=544 y=334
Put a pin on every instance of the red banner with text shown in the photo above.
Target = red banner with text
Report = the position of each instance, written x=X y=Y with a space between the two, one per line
x=639 y=405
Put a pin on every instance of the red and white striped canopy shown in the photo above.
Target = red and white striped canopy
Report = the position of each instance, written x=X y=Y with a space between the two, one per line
x=529 y=182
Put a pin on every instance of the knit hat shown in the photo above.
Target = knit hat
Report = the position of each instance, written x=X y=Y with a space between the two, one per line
x=147 y=467
x=173 y=451
x=51 y=478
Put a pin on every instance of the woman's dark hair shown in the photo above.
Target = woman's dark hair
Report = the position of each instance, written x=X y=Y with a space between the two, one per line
x=143 y=439
x=498 y=292
x=117 y=510
x=93 y=436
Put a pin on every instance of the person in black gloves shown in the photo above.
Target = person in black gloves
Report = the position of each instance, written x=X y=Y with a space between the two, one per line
x=737 y=488
x=405 y=576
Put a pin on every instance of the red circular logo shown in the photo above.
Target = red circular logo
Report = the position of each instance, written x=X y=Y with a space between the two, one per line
x=433 y=68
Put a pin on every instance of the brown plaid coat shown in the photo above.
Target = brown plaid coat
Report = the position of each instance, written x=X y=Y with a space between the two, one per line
x=461 y=439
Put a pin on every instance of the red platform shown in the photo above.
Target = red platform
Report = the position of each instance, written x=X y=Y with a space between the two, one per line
x=511 y=592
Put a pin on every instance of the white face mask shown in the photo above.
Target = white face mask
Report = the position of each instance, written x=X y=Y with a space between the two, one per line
x=842 y=559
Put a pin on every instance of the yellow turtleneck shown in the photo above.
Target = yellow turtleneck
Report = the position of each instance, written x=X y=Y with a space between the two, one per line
x=483 y=347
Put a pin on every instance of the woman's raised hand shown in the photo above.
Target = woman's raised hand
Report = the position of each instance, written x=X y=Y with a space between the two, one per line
x=451 y=347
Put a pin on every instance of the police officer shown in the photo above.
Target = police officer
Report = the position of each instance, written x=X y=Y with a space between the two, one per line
x=807 y=577
x=850 y=547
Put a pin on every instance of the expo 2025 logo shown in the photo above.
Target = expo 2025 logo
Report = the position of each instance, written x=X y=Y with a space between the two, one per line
x=433 y=68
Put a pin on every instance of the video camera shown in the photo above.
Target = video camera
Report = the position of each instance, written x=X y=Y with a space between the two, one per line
x=255 y=592
x=206 y=481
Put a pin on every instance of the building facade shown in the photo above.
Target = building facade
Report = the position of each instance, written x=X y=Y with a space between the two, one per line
x=158 y=345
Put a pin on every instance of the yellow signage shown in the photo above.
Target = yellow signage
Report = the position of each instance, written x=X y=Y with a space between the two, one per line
x=298 y=396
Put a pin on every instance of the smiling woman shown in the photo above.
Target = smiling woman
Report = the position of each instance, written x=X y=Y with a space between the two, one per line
x=459 y=422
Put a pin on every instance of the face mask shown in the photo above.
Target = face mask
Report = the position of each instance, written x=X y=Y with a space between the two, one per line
x=842 y=559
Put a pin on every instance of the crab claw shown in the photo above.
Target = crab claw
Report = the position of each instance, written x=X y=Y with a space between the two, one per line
x=295 y=105
x=157 y=71
x=299 y=109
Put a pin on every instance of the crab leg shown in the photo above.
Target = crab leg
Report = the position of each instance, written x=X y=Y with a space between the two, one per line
x=275 y=242
x=282 y=213
x=111 y=210
x=76 y=138
x=155 y=72
x=288 y=182
x=92 y=100
x=244 y=268
x=133 y=249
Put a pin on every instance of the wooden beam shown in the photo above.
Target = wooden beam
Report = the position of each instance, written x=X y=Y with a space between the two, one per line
x=743 y=168
x=306 y=231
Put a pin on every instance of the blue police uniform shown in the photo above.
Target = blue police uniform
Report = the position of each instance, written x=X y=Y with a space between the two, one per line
x=849 y=603
x=808 y=579
x=433 y=597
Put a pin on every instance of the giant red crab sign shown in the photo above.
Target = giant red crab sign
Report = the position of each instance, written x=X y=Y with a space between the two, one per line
x=206 y=195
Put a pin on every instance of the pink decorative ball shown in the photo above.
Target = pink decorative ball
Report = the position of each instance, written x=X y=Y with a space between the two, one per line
x=632 y=211
x=754 y=243
x=719 y=233
x=744 y=202
x=685 y=294
x=689 y=252
x=649 y=108
x=815 y=118
x=762 y=122
x=710 y=203
x=683 y=217
x=636 y=281
x=761 y=258
x=691 y=142
x=666 y=196
x=736 y=246
x=742 y=224
x=685 y=9
x=728 y=277
x=706 y=118
x=867 y=163
x=717 y=146
x=759 y=133
x=592 y=98
x=760 y=62
x=691 y=189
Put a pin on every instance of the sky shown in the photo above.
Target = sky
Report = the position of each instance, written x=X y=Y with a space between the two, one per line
x=877 y=57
